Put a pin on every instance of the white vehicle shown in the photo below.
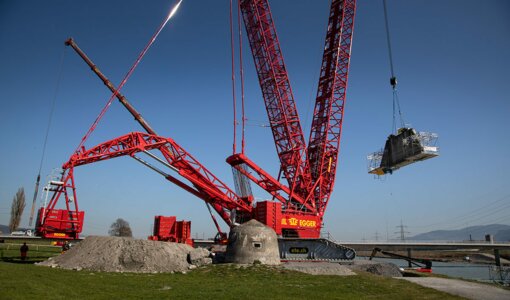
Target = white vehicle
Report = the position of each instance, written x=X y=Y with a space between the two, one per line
x=27 y=232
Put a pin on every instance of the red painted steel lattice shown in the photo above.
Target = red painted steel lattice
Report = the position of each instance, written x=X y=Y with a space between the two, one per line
x=276 y=90
x=324 y=142
x=309 y=171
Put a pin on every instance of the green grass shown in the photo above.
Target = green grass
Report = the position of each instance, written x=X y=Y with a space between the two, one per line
x=21 y=240
x=9 y=252
x=28 y=281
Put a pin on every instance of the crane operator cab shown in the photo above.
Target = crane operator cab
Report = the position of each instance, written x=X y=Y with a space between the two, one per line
x=402 y=149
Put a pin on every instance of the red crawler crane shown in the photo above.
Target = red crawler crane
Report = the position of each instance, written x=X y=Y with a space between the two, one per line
x=309 y=171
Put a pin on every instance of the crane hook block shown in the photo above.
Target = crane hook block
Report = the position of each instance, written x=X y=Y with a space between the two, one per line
x=393 y=81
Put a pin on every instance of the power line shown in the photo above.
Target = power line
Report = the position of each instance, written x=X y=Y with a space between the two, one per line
x=492 y=212
x=470 y=214
x=502 y=218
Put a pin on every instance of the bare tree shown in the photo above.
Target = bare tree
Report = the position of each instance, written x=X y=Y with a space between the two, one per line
x=120 y=228
x=17 y=207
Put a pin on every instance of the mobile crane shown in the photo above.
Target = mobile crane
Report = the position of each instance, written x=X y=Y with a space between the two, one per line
x=309 y=170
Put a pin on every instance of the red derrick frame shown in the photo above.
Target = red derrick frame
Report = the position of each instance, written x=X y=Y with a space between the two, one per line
x=205 y=185
x=70 y=220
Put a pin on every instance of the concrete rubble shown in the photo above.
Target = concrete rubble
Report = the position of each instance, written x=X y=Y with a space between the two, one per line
x=376 y=268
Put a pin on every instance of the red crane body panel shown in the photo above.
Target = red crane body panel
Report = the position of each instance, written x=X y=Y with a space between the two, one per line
x=59 y=223
x=170 y=230
x=285 y=223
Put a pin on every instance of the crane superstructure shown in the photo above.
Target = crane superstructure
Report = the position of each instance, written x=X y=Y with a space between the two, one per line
x=309 y=171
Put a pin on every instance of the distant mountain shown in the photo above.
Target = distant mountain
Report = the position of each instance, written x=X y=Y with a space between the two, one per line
x=501 y=234
x=4 y=229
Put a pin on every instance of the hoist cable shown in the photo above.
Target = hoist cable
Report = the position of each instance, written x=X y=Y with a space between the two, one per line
x=52 y=109
x=397 y=101
x=393 y=79
x=388 y=39
x=233 y=77
x=241 y=71
x=393 y=124
x=48 y=126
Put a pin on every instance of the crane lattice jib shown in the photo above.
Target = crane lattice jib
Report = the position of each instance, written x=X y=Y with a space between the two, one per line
x=193 y=166
x=207 y=186
x=324 y=142
x=276 y=91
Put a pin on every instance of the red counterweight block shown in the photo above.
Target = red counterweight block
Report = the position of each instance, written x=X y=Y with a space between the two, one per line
x=170 y=230
x=269 y=213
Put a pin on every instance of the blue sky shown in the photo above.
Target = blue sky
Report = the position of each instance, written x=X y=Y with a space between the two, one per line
x=451 y=59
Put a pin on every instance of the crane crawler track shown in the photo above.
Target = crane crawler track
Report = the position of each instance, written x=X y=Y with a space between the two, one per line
x=298 y=249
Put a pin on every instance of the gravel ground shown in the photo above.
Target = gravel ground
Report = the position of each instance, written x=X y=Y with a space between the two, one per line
x=319 y=268
x=345 y=268
x=115 y=254
x=470 y=290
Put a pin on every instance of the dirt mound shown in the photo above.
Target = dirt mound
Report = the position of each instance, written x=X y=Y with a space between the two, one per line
x=115 y=254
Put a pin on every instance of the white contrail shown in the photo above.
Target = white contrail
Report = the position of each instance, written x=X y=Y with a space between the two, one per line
x=126 y=77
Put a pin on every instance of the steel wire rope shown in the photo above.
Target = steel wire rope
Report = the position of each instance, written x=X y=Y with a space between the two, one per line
x=393 y=79
x=241 y=71
x=241 y=75
x=315 y=76
x=233 y=77
x=52 y=108
x=48 y=126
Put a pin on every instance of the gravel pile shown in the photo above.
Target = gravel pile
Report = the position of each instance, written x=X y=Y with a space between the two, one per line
x=116 y=254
